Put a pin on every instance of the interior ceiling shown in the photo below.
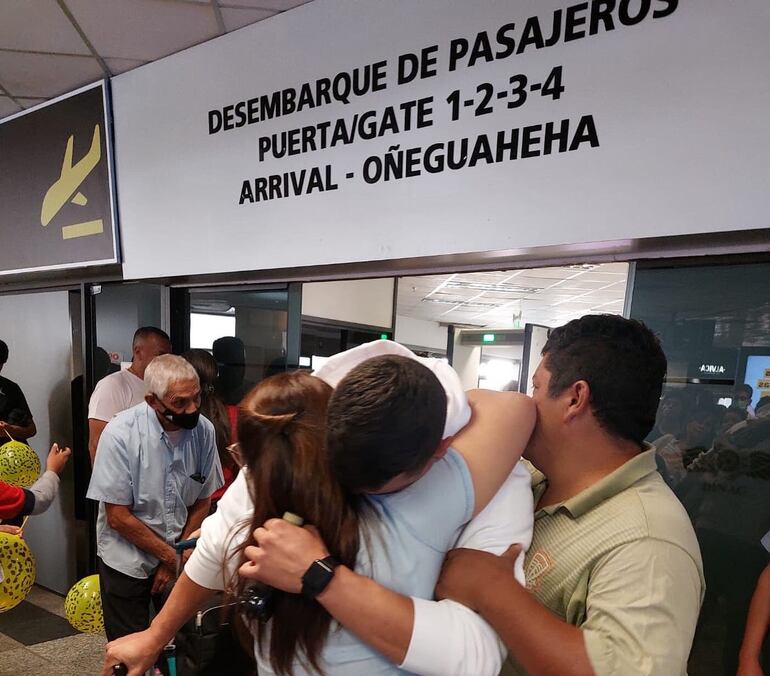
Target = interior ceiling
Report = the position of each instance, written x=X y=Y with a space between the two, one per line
x=51 y=47
x=548 y=296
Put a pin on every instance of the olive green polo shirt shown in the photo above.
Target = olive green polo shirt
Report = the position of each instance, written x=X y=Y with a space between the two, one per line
x=620 y=560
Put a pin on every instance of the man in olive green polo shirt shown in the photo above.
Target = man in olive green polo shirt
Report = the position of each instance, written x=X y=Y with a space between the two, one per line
x=614 y=571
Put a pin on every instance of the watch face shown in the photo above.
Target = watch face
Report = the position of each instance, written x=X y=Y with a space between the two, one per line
x=317 y=577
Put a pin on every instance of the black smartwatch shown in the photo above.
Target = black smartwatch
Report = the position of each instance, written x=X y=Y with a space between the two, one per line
x=318 y=576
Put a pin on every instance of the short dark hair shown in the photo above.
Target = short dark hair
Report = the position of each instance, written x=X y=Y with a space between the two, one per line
x=622 y=362
x=385 y=418
x=146 y=331
x=3 y=352
x=745 y=387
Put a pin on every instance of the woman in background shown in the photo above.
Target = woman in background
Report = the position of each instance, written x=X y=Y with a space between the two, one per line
x=214 y=409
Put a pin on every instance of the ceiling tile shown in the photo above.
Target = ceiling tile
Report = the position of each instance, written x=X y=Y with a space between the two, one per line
x=7 y=107
x=30 y=103
x=31 y=75
x=605 y=277
x=143 y=29
x=118 y=66
x=275 y=5
x=38 y=25
x=619 y=268
x=238 y=18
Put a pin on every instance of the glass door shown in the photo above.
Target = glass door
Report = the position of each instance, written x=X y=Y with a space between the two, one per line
x=252 y=332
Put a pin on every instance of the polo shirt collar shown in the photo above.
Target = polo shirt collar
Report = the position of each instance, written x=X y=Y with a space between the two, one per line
x=623 y=477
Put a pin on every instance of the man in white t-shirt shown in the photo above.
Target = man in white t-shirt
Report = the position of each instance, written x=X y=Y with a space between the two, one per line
x=124 y=389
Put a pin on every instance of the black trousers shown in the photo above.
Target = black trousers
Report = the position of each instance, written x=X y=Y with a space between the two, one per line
x=125 y=602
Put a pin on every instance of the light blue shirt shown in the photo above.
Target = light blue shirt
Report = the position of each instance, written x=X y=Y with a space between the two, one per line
x=404 y=539
x=137 y=464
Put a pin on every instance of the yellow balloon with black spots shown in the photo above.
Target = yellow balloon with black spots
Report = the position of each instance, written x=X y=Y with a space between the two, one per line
x=17 y=571
x=19 y=464
x=83 y=606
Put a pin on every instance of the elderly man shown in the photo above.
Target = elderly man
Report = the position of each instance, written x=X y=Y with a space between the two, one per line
x=124 y=389
x=155 y=470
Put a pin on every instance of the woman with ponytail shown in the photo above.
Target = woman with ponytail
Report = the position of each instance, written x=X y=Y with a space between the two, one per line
x=281 y=424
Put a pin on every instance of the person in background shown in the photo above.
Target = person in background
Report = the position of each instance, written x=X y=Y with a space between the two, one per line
x=731 y=418
x=676 y=453
x=671 y=415
x=16 y=502
x=155 y=470
x=124 y=389
x=213 y=408
x=230 y=355
x=742 y=399
x=15 y=417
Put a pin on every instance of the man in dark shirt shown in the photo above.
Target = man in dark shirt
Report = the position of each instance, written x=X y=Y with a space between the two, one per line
x=15 y=417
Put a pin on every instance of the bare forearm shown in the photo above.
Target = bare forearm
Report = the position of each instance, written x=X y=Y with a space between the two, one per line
x=758 y=619
x=95 y=429
x=141 y=536
x=195 y=516
x=21 y=431
x=530 y=631
x=384 y=621
x=185 y=599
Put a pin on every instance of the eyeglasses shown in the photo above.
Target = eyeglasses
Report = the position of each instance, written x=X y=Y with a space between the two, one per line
x=235 y=453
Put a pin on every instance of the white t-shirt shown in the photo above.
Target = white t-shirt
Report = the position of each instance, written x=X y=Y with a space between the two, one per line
x=115 y=393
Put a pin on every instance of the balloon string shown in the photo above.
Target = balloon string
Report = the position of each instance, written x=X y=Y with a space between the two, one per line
x=23 y=523
x=5 y=429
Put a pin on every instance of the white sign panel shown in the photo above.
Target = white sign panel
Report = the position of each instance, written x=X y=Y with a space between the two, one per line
x=350 y=131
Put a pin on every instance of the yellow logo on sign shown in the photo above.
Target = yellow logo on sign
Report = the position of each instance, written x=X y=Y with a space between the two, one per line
x=71 y=178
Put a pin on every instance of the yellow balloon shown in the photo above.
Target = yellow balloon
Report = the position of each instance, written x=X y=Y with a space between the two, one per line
x=83 y=606
x=19 y=464
x=17 y=571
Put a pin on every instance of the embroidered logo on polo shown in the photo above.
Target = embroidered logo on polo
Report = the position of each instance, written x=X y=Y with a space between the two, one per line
x=540 y=564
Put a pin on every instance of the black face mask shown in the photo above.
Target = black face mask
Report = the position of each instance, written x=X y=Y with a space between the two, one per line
x=187 y=421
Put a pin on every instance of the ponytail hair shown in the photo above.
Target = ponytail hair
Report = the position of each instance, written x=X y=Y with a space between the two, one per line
x=281 y=429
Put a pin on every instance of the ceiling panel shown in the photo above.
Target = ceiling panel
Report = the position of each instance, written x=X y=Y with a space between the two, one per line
x=7 y=107
x=45 y=75
x=125 y=34
x=143 y=29
x=488 y=299
x=275 y=5
x=38 y=25
x=118 y=66
x=238 y=18
x=30 y=103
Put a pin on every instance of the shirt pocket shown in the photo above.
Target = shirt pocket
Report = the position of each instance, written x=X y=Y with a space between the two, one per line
x=190 y=490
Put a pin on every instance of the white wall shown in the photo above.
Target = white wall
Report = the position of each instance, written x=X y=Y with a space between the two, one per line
x=37 y=329
x=420 y=333
x=121 y=310
x=466 y=360
x=361 y=301
x=503 y=351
